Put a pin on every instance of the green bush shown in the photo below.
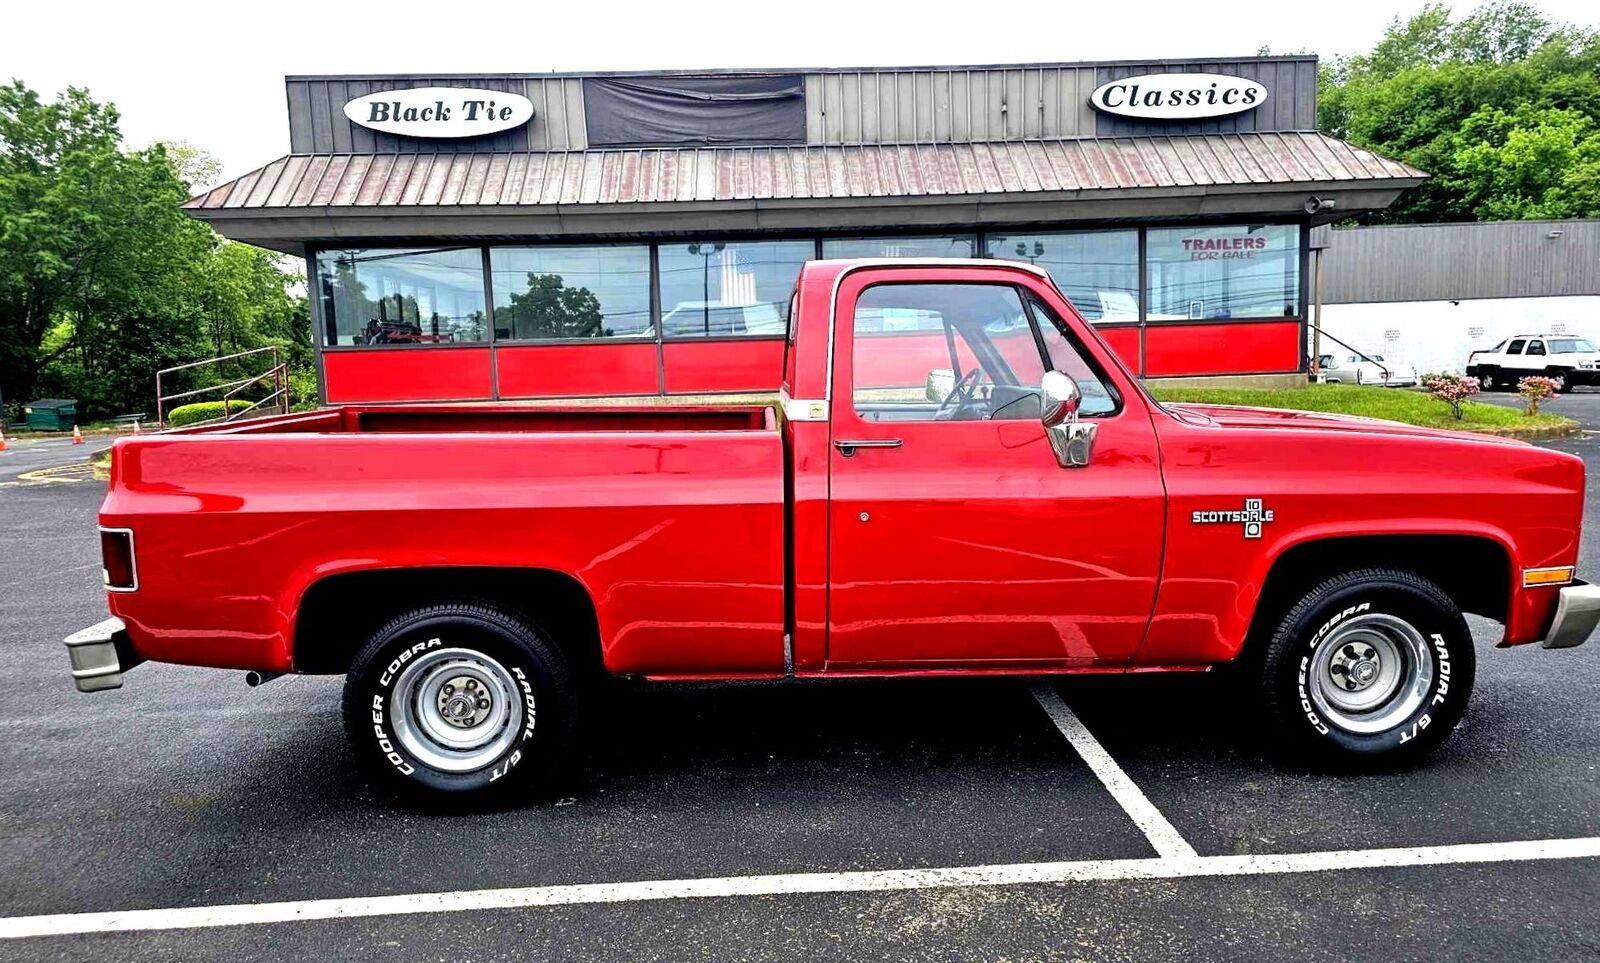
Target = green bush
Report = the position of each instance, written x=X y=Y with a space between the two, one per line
x=201 y=411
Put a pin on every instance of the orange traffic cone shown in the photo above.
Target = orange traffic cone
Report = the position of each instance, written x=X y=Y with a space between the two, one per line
x=2 y=441
x=77 y=435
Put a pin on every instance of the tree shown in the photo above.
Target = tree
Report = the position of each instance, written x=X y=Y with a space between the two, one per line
x=1498 y=107
x=550 y=309
x=103 y=278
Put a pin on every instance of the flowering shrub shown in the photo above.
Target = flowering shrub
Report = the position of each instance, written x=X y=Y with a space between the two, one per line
x=1451 y=389
x=1534 y=389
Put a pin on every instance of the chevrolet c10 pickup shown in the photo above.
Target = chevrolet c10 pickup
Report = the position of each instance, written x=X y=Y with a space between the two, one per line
x=958 y=476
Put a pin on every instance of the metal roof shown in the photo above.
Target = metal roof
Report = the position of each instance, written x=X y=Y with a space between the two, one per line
x=691 y=175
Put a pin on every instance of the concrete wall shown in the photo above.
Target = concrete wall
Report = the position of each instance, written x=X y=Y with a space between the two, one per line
x=1437 y=335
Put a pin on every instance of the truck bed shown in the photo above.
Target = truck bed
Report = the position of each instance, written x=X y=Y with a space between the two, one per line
x=671 y=519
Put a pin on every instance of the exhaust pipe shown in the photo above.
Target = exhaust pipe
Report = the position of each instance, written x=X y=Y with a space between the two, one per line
x=254 y=678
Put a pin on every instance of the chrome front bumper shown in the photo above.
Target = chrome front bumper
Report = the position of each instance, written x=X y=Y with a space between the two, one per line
x=1577 y=614
x=100 y=654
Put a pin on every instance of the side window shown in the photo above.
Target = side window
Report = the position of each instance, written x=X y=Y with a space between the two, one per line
x=1098 y=398
x=944 y=352
x=1535 y=347
x=1516 y=346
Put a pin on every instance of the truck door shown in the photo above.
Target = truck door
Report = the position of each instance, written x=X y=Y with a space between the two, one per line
x=956 y=538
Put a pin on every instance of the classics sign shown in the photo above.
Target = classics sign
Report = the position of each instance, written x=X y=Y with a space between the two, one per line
x=440 y=111
x=1178 y=96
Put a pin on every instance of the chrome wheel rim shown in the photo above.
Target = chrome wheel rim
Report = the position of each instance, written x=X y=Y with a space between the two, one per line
x=456 y=710
x=1370 y=674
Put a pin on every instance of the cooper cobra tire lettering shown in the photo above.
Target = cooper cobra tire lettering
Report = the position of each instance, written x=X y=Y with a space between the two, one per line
x=384 y=745
x=1305 y=697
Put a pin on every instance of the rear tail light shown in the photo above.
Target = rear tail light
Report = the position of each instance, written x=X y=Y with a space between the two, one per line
x=116 y=560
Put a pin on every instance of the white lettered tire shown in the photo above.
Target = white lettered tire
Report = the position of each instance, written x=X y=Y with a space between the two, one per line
x=461 y=699
x=1371 y=668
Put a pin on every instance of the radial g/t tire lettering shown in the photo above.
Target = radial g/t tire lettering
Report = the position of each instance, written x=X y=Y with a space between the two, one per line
x=461 y=699
x=1371 y=669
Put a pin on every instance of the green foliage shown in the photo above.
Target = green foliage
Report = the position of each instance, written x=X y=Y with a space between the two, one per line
x=550 y=309
x=1501 y=107
x=201 y=411
x=103 y=278
x=1391 y=404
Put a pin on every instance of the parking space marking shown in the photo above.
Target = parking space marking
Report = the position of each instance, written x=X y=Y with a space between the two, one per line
x=788 y=884
x=1162 y=834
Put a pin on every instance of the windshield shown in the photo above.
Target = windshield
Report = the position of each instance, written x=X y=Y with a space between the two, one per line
x=1570 y=345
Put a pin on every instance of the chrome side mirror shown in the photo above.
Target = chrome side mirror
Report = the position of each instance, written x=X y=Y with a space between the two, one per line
x=1072 y=440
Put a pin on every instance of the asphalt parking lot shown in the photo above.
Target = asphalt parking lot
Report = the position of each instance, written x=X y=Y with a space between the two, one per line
x=797 y=821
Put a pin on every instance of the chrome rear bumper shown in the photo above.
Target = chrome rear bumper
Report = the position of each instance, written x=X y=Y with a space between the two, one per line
x=100 y=654
x=1577 y=614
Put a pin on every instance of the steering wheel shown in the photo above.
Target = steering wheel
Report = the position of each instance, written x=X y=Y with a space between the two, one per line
x=962 y=391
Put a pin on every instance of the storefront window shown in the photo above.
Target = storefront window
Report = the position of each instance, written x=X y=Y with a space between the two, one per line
x=733 y=289
x=958 y=245
x=1238 y=271
x=1097 y=270
x=571 y=291
x=390 y=296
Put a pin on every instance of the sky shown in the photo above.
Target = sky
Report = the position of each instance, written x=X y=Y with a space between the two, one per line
x=211 y=74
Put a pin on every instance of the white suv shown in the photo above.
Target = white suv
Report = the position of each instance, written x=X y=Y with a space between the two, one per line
x=1572 y=361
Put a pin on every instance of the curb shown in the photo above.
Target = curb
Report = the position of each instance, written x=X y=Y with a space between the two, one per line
x=1567 y=429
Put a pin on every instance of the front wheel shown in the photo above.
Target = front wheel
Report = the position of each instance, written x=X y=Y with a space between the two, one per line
x=1372 y=668
x=460 y=699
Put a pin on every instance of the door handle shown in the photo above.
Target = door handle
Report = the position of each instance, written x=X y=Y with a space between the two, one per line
x=848 y=446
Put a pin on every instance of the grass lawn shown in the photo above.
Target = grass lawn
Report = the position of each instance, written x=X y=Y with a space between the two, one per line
x=1392 y=404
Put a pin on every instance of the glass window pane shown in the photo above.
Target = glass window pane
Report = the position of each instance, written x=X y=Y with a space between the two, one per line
x=958 y=245
x=571 y=291
x=970 y=355
x=387 y=296
x=1238 y=271
x=1097 y=270
x=731 y=289
x=1067 y=359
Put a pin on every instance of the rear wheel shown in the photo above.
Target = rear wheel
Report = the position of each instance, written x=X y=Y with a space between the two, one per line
x=1371 y=668
x=460 y=699
x=1486 y=379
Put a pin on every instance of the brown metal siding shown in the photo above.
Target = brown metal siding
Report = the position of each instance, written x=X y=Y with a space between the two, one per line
x=317 y=124
x=1442 y=262
x=1291 y=101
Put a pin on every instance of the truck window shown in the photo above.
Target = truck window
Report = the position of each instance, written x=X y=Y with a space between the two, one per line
x=1534 y=347
x=1516 y=346
x=944 y=352
x=1065 y=357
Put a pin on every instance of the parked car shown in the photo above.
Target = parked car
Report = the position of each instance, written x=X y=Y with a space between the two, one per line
x=1366 y=369
x=1572 y=361
x=1035 y=513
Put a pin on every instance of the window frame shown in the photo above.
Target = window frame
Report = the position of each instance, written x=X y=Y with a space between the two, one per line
x=319 y=319
x=1108 y=383
x=657 y=244
x=651 y=283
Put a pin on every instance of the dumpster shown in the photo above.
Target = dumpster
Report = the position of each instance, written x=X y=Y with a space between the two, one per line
x=51 y=414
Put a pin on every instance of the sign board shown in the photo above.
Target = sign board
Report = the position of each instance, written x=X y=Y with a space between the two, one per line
x=440 y=111
x=1178 y=96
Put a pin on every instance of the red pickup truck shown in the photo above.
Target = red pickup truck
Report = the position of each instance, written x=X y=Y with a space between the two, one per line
x=1021 y=508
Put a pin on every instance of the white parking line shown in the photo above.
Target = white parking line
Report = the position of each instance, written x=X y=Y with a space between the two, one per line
x=783 y=884
x=1162 y=835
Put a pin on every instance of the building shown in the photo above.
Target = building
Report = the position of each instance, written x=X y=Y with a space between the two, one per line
x=546 y=235
x=1425 y=295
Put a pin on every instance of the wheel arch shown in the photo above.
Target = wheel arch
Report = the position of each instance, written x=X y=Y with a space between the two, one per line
x=1472 y=568
x=339 y=612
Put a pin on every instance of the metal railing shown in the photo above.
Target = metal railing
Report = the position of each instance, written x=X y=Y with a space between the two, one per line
x=1358 y=352
x=277 y=376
